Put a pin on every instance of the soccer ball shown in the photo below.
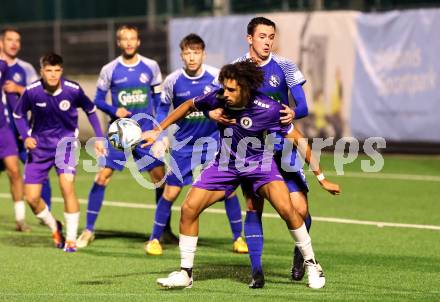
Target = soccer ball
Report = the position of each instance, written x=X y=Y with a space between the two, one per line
x=124 y=133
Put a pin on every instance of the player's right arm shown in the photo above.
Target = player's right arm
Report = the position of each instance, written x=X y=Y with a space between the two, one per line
x=204 y=102
x=20 y=119
x=179 y=113
x=103 y=86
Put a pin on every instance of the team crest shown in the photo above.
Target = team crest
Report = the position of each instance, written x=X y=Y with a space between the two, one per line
x=207 y=89
x=246 y=122
x=64 y=105
x=16 y=77
x=144 y=78
x=274 y=80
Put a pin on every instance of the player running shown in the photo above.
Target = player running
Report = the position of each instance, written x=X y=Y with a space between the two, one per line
x=200 y=135
x=256 y=116
x=51 y=141
x=9 y=158
x=281 y=77
x=135 y=85
x=20 y=75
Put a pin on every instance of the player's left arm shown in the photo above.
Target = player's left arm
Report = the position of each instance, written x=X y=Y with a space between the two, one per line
x=156 y=86
x=294 y=79
x=90 y=109
x=303 y=147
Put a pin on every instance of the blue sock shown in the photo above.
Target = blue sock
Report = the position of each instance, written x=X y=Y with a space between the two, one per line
x=96 y=197
x=308 y=222
x=163 y=212
x=233 y=210
x=46 y=193
x=253 y=230
x=159 y=193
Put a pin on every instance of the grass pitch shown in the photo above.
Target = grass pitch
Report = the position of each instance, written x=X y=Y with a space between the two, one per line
x=361 y=262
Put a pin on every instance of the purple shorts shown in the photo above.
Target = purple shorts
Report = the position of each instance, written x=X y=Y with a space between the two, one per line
x=39 y=162
x=8 y=145
x=216 y=178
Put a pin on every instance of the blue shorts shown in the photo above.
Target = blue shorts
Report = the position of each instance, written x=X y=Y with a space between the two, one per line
x=294 y=177
x=116 y=159
x=184 y=161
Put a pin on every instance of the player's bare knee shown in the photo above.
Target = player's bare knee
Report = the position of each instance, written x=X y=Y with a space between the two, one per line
x=103 y=179
x=171 y=196
x=188 y=211
x=299 y=202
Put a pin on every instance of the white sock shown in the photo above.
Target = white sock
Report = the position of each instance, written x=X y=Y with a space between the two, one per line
x=188 y=247
x=20 y=211
x=303 y=242
x=72 y=221
x=48 y=219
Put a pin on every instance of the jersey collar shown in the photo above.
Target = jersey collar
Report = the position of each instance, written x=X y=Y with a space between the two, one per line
x=130 y=65
x=196 y=77
x=262 y=63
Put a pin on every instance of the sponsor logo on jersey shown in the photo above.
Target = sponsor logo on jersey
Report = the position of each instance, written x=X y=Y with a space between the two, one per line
x=42 y=104
x=185 y=93
x=194 y=82
x=144 y=78
x=118 y=81
x=261 y=104
x=17 y=77
x=274 y=80
x=64 y=105
x=133 y=97
x=246 y=122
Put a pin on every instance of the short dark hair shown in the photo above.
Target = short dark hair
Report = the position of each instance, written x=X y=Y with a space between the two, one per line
x=8 y=29
x=51 y=59
x=192 y=40
x=252 y=25
x=126 y=27
x=247 y=74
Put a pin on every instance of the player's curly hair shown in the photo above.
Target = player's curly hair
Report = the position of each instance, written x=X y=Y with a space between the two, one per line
x=247 y=74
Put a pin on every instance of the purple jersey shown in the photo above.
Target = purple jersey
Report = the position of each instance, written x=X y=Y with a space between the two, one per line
x=54 y=116
x=3 y=71
x=245 y=140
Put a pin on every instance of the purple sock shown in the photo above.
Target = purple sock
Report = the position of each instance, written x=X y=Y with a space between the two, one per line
x=96 y=197
x=253 y=230
x=163 y=212
x=233 y=210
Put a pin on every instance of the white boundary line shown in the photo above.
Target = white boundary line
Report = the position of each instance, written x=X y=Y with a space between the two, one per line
x=380 y=224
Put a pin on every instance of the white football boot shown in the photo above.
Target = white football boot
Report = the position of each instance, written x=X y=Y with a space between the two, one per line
x=315 y=274
x=178 y=279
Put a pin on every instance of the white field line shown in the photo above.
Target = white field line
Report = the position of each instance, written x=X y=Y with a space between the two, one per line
x=380 y=224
